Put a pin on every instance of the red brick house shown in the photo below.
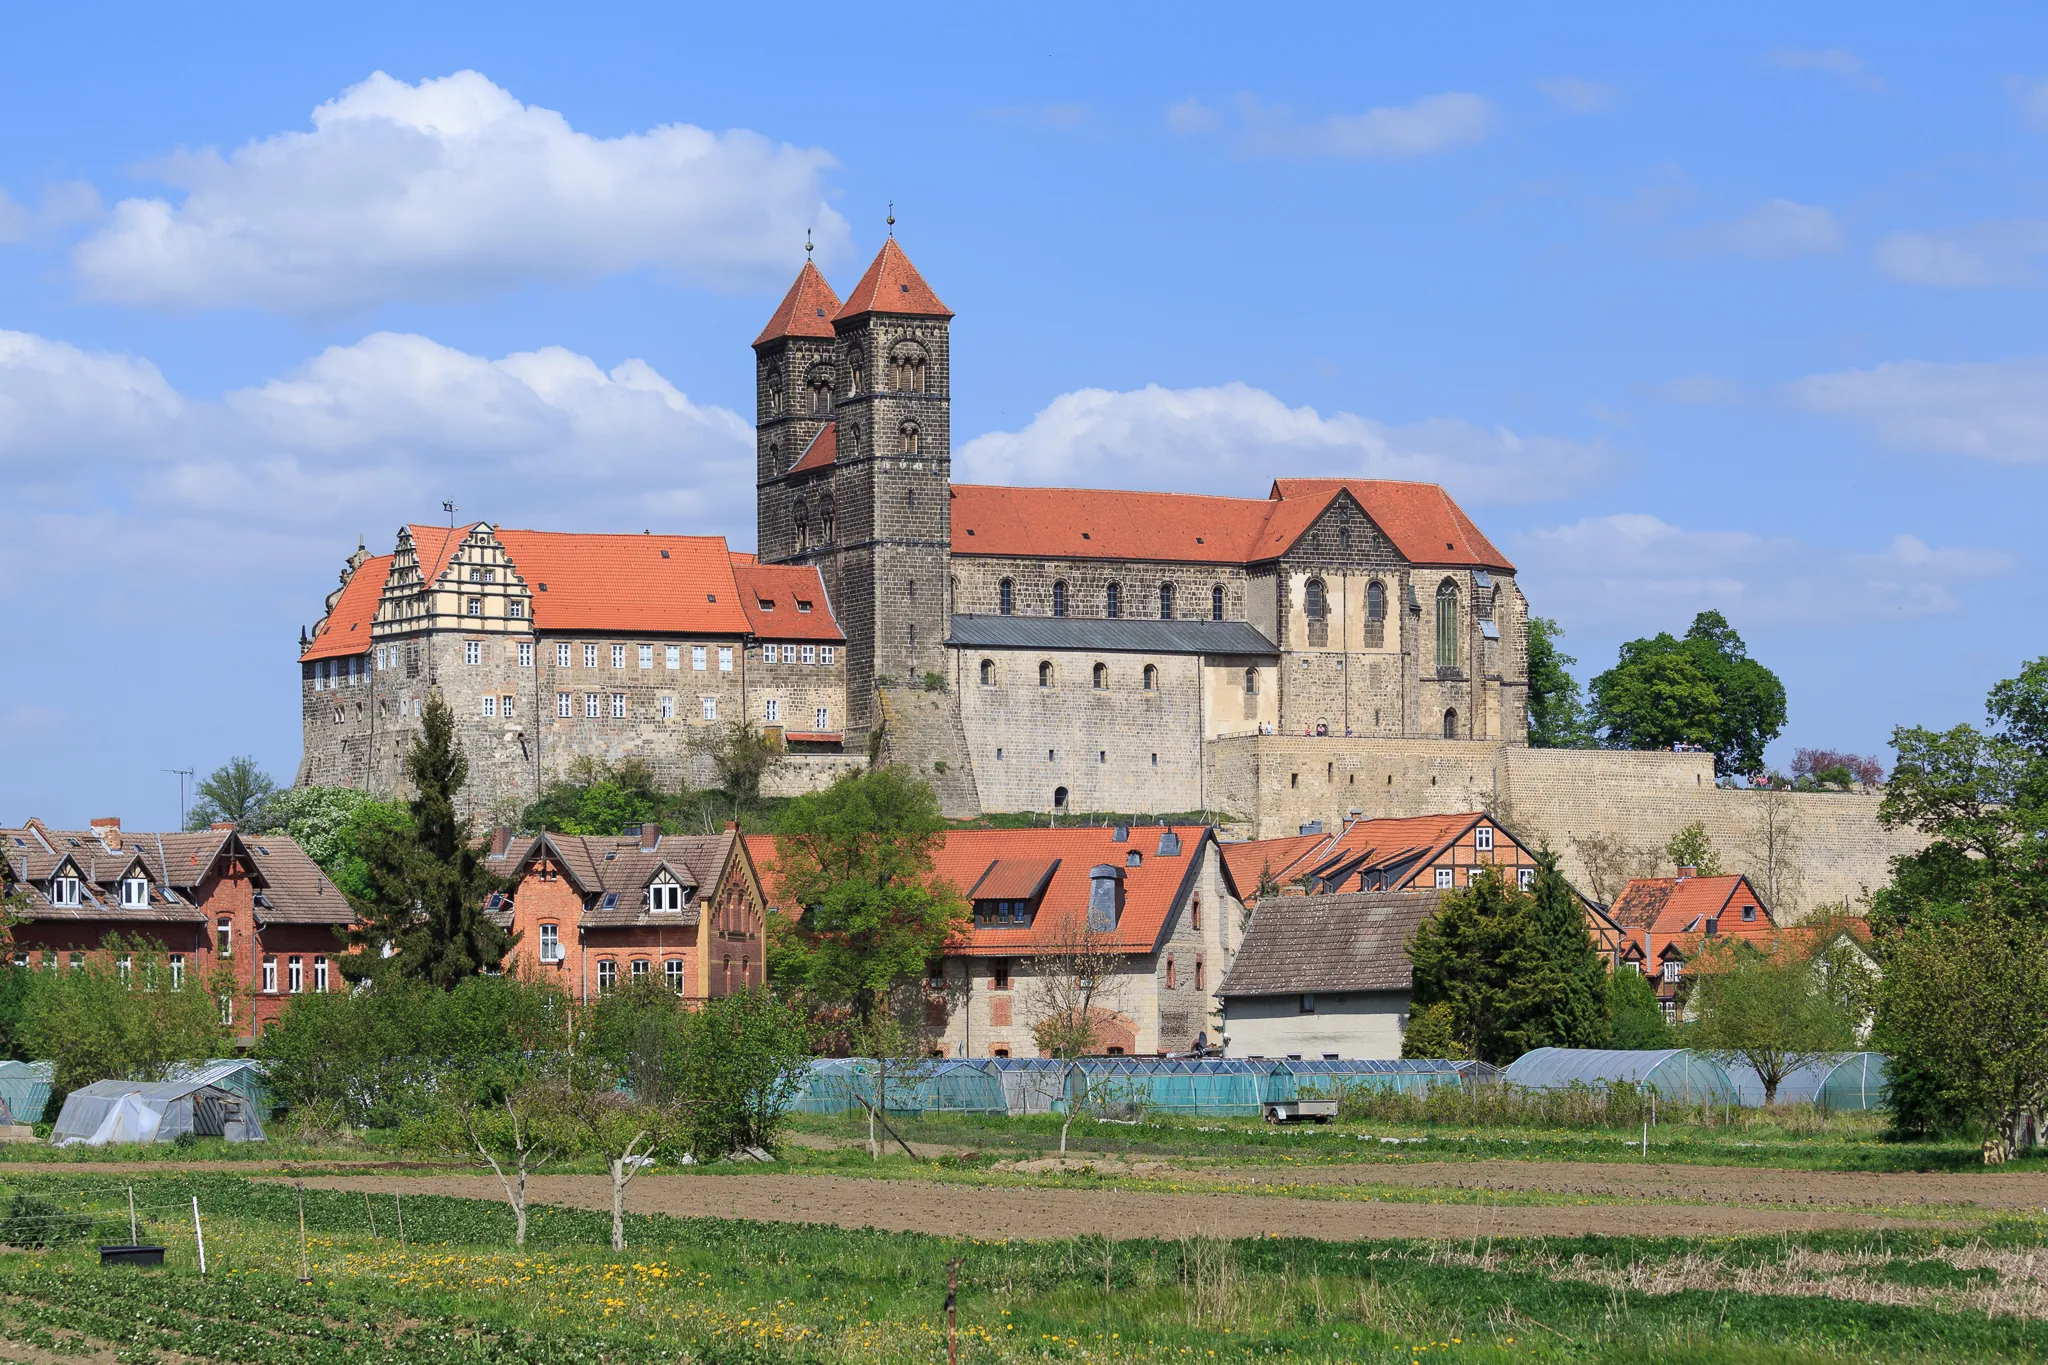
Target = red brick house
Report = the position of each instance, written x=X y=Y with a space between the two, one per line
x=1664 y=921
x=594 y=911
x=255 y=902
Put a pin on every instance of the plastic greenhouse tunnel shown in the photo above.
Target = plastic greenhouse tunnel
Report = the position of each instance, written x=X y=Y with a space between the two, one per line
x=1678 y=1075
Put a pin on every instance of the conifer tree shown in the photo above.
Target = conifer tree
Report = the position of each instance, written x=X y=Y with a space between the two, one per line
x=1557 y=977
x=428 y=884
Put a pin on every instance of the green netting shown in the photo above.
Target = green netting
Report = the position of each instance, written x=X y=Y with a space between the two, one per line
x=25 y=1089
x=938 y=1086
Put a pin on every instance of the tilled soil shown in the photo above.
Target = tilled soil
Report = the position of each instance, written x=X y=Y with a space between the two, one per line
x=1007 y=1212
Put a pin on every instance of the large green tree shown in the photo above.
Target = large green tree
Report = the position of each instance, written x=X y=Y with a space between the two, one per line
x=428 y=884
x=1703 y=689
x=1557 y=716
x=333 y=825
x=122 y=1015
x=237 y=790
x=1769 y=1009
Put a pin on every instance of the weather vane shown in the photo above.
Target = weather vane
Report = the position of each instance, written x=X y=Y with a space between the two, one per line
x=892 y=218
x=448 y=506
x=807 y=244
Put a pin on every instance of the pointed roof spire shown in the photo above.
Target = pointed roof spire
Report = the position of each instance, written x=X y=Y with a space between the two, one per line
x=892 y=285
x=805 y=311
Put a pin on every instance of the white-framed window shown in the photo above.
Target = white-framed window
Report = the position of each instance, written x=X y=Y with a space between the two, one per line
x=640 y=965
x=224 y=936
x=270 y=976
x=1482 y=838
x=64 y=891
x=505 y=707
x=668 y=708
x=516 y=608
x=810 y=654
x=561 y=656
x=550 y=943
x=664 y=897
x=697 y=657
x=526 y=654
x=710 y=708
x=124 y=967
x=490 y=708
x=789 y=654
x=672 y=970
x=607 y=976
x=295 y=974
x=565 y=703
x=177 y=971
x=1443 y=877
x=725 y=658
x=472 y=651
x=475 y=607
x=227 y=1009
x=826 y=655
x=1671 y=970
x=590 y=656
x=135 y=893
x=773 y=711
x=618 y=706
x=1471 y=876
x=822 y=718
x=647 y=656
x=590 y=700
x=618 y=656
x=320 y=974
x=674 y=657
x=1526 y=876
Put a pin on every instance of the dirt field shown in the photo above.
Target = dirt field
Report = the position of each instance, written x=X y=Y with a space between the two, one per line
x=993 y=1212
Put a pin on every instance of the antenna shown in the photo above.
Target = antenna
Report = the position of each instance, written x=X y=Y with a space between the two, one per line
x=183 y=775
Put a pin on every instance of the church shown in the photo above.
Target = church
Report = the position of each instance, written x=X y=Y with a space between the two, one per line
x=1025 y=649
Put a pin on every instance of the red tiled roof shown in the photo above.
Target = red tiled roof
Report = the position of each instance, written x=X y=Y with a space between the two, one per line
x=1668 y=905
x=805 y=311
x=434 y=546
x=814 y=736
x=772 y=596
x=675 y=584
x=1191 y=528
x=822 y=451
x=1250 y=860
x=346 y=629
x=892 y=285
x=1387 y=839
x=1012 y=879
x=740 y=557
x=761 y=848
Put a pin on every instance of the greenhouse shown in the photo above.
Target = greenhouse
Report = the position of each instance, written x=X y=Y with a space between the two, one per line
x=837 y=1085
x=1677 y=1075
x=153 y=1111
x=1851 y=1082
x=25 y=1090
x=238 y=1075
x=1412 y=1075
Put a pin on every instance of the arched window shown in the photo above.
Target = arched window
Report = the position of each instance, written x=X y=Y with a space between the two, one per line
x=1059 y=798
x=1059 y=597
x=775 y=390
x=1447 y=624
x=906 y=372
x=1451 y=723
x=1375 y=601
x=1006 y=596
x=1151 y=677
x=1216 y=603
x=906 y=439
x=826 y=519
x=988 y=672
x=1317 y=600
x=821 y=396
x=1045 y=673
x=803 y=527
x=1113 y=601
x=1101 y=677
x=1251 y=682
x=1343 y=537
x=1166 y=601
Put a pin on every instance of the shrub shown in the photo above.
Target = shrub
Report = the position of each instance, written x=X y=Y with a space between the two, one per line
x=34 y=1221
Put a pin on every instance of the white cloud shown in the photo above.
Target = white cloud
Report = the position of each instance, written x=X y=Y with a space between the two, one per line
x=1635 y=570
x=63 y=204
x=1233 y=438
x=1580 y=96
x=1988 y=255
x=1992 y=410
x=1192 y=116
x=1434 y=123
x=1773 y=231
x=1835 y=61
x=454 y=189
x=2032 y=98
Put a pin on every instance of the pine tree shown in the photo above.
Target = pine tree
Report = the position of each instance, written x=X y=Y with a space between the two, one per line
x=428 y=884
x=1556 y=976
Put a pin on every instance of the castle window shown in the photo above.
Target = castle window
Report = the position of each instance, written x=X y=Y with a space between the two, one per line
x=1216 y=603
x=774 y=390
x=1166 y=601
x=647 y=656
x=821 y=718
x=565 y=704
x=472 y=651
x=590 y=705
x=1375 y=601
x=1113 y=601
x=490 y=708
x=1447 y=624
x=1045 y=673
x=827 y=520
x=906 y=439
x=618 y=656
x=1316 y=600
x=1251 y=682
x=1151 y=677
x=1059 y=798
x=668 y=708
x=1006 y=596
x=476 y=606
x=821 y=396
x=725 y=658
x=802 y=519
x=826 y=653
x=618 y=706
x=526 y=654
x=1343 y=537
x=988 y=672
x=590 y=656
x=810 y=654
x=1101 y=677
x=1201 y=976
x=907 y=373
x=710 y=708
x=1451 y=723
x=1059 y=597
x=697 y=658
x=773 y=711
x=561 y=656
x=672 y=655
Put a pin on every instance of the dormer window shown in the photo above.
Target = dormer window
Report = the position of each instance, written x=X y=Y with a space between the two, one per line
x=1002 y=914
x=135 y=893
x=665 y=896
x=64 y=891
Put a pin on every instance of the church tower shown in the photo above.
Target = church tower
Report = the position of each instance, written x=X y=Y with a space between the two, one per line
x=856 y=464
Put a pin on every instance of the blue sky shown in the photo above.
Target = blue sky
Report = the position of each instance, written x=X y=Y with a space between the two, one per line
x=1741 y=310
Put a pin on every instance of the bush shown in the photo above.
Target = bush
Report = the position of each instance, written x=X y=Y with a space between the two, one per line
x=744 y=1058
x=1620 y=1104
x=36 y=1222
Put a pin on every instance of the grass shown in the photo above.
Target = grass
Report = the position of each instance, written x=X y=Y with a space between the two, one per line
x=707 y=1290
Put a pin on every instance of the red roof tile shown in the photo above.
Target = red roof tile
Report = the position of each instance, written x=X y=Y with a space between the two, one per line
x=773 y=596
x=434 y=546
x=1386 y=839
x=671 y=584
x=1252 y=859
x=892 y=285
x=1669 y=905
x=1012 y=879
x=346 y=629
x=1426 y=526
x=805 y=311
x=822 y=451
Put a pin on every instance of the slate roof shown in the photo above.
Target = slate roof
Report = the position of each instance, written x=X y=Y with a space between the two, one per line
x=786 y=602
x=1123 y=635
x=602 y=865
x=1354 y=942
x=346 y=629
x=292 y=884
x=806 y=310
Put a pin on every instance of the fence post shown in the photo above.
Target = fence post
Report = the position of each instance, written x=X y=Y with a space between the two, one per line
x=371 y=1214
x=305 y=1267
x=133 y=1236
x=198 y=1234
x=401 y=1219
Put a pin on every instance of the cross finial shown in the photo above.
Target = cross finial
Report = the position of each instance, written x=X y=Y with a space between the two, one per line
x=807 y=244
x=892 y=218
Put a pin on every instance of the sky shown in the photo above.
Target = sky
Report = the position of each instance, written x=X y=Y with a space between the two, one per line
x=1737 y=310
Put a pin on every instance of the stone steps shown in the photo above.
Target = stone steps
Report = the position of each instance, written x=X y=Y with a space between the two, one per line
x=921 y=732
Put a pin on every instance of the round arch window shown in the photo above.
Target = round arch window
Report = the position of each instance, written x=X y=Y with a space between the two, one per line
x=1451 y=723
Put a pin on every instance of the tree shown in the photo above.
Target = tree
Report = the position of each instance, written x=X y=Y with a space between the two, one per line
x=1558 y=981
x=1752 y=710
x=1638 y=1022
x=1611 y=863
x=859 y=858
x=1433 y=1033
x=742 y=755
x=332 y=825
x=1828 y=768
x=635 y=1035
x=743 y=1060
x=118 y=1016
x=428 y=884
x=595 y=797
x=1557 y=716
x=1691 y=847
x=1077 y=980
x=505 y=1113
x=238 y=790
x=1769 y=1009
x=1774 y=852
x=1703 y=689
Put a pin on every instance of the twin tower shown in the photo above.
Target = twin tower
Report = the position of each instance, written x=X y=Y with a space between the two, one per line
x=854 y=441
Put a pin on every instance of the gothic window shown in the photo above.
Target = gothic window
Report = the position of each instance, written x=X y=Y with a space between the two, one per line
x=1447 y=624
x=1102 y=677
x=1151 y=677
x=907 y=372
x=1251 y=682
x=1113 y=601
x=906 y=439
x=1045 y=673
x=803 y=527
x=1451 y=723
x=1216 y=603
x=1006 y=596
x=825 y=519
x=1166 y=601
x=1375 y=615
x=1059 y=597
x=1317 y=600
x=988 y=672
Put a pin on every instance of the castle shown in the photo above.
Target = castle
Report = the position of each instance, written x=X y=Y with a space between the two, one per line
x=1336 y=647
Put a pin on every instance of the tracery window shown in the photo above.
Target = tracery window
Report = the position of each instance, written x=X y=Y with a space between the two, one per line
x=1447 y=624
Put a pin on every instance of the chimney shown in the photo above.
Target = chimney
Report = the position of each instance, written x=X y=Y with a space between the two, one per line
x=732 y=827
x=227 y=825
x=650 y=835
x=1685 y=872
x=501 y=840
x=109 y=829
x=1105 y=897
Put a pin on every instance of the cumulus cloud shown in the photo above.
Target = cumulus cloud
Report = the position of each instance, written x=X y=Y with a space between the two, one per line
x=1992 y=410
x=1432 y=124
x=452 y=188
x=1833 y=61
x=1580 y=96
x=1230 y=439
x=1773 y=231
x=1986 y=256
x=1635 y=571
